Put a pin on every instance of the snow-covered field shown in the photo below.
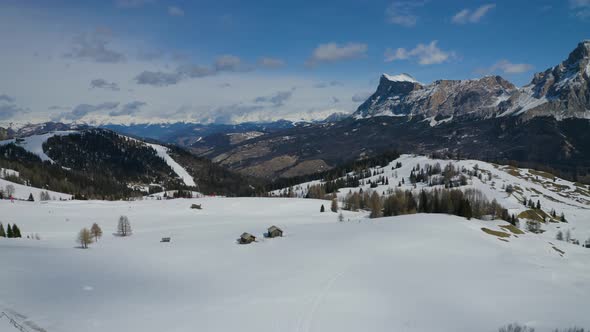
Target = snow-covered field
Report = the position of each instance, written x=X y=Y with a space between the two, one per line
x=409 y=273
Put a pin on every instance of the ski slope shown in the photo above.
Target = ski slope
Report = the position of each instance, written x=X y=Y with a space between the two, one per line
x=410 y=273
x=34 y=143
x=179 y=170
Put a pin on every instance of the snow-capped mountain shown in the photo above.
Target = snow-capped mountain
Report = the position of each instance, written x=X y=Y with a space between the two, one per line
x=562 y=91
x=402 y=95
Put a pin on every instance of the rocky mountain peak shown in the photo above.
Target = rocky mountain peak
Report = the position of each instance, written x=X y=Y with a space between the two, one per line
x=562 y=91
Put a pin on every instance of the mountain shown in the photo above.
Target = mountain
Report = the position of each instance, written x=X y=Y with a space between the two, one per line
x=99 y=163
x=562 y=92
x=402 y=95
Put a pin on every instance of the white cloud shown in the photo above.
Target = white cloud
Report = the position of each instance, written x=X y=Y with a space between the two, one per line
x=277 y=99
x=361 y=96
x=100 y=83
x=426 y=54
x=472 y=16
x=581 y=8
x=402 y=13
x=332 y=52
x=270 y=62
x=175 y=11
x=131 y=108
x=506 y=67
x=62 y=82
x=94 y=46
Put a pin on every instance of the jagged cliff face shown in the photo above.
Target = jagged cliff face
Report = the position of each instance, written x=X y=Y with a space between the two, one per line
x=562 y=91
x=443 y=98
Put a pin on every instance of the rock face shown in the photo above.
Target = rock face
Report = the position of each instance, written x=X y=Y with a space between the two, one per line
x=443 y=98
x=562 y=92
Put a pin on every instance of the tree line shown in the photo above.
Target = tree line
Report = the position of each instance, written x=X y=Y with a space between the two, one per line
x=10 y=232
x=470 y=203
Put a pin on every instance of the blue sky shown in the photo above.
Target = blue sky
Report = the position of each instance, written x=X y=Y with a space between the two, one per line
x=230 y=61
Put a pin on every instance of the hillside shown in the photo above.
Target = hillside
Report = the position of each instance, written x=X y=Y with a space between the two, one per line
x=357 y=275
x=492 y=180
x=98 y=163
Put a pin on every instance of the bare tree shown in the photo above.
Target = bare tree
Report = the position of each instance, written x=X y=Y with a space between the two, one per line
x=515 y=327
x=96 y=232
x=334 y=206
x=340 y=217
x=124 y=227
x=559 y=236
x=84 y=238
x=10 y=190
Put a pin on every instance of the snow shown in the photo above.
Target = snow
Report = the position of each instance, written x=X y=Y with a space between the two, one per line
x=23 y=192
x=162 y=151
x=34 y=144
x=400 y=78
x=413 y=273
x=561 y=195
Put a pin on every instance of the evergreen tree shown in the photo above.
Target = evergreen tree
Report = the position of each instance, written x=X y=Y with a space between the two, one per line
x=334 y=206
x=31 y=198
x=9 y=231
x=322 y=209
x=96 y=232
x=563 y=217
x=15 y=231
x=2 y=233
x=538 y=205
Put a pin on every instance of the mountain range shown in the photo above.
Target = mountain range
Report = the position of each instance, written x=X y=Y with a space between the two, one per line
x=543 y=125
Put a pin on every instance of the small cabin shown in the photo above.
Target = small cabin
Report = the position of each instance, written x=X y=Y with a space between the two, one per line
x=274 y=231
x=246 y=238
x=165 y=239
x=196 y=206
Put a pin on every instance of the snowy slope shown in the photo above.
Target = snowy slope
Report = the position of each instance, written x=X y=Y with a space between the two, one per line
x=23 y=192
x=179 y=170
x=413 y=273
x=560 y=195
x=34 y=144
x=400 y=78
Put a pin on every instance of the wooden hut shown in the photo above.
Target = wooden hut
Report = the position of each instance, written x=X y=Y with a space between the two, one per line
x=274 y=231
x=246 y=238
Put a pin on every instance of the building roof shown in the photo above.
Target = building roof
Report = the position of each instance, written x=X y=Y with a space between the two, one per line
x=274 y=228
x=247 y=235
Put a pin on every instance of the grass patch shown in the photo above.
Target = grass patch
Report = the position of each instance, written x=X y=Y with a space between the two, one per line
x=531 y=215
x=512 y=228
x=495 y=233
x=513 y=172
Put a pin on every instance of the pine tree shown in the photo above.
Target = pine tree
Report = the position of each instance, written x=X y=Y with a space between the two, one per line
x=538 y=205
x=2 y=233
x=9 y=231
x=96 y=232
x=563 y=217
x=31 y=198
x=322 y=209
x=15 y=231
x=334 y=206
